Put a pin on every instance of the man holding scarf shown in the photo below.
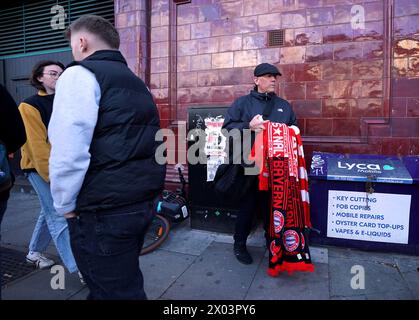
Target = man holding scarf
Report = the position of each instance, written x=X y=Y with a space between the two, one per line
x=252 y=111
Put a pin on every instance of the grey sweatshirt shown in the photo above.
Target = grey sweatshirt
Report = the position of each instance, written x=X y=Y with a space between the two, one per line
x=70 y=131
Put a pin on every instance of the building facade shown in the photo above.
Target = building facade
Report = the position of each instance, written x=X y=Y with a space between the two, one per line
x=350 y=67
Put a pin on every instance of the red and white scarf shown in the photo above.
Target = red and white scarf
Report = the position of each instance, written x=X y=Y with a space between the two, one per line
x=283 y=172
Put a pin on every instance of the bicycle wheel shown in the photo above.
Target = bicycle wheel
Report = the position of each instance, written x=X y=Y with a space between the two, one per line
x=156 y=234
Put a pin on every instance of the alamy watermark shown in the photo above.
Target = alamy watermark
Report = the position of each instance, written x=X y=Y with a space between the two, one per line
x=358 y=280
x=237 y=145
x=358 y=17
x=58 y=20
x=58 y=280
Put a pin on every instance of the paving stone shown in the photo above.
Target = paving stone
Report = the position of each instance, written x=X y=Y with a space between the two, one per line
x=298 y=286
x=161 y=268
x=379 y=277
x=216 y=275
x=37 y=286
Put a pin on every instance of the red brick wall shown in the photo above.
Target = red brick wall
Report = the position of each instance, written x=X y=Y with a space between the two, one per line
x=354 y=90
x=131 y=22
x=160 y=52
x=404 y=131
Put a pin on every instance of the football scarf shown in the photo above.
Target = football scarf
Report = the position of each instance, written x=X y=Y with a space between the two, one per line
x=283 y=172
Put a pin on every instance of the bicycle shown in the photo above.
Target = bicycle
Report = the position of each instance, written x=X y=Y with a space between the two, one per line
x=172 y=208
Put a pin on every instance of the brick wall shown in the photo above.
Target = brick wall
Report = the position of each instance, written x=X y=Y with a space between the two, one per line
x=354 y=89
x=131 y=22
x=404 y=130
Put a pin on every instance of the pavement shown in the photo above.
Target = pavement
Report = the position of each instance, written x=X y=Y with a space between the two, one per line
x=199 y=265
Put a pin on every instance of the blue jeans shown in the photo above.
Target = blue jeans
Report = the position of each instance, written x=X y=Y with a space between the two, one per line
x=107 y=246
x=3 y=206
x=50 y=225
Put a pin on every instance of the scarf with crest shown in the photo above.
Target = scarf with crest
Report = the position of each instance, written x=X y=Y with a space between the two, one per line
x=280 y=158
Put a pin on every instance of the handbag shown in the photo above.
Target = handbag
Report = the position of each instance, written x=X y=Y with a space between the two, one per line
x=5 y=173
x=231 y=182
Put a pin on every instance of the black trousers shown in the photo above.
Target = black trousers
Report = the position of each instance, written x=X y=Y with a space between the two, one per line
x=3 y=206
x=252 y=203
x=106 y=247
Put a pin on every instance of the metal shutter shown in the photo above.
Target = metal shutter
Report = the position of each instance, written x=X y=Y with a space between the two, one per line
x=25 y=27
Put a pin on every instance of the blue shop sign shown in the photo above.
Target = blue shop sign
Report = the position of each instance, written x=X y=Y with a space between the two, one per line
x=353 y=169
x=362 y=168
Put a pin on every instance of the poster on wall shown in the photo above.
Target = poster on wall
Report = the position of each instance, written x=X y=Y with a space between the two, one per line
x=215 y=143
x=380 y=217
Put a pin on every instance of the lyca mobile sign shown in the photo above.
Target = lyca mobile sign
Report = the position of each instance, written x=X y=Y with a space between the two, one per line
x=389 y=171
x=364 y=167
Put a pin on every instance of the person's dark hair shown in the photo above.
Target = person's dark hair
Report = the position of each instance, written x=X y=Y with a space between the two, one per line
x=97 y=26
x=38 y=70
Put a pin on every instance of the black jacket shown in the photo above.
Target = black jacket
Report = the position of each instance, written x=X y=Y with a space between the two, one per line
x=242 y=111
x=12 y=130
x=122 y=170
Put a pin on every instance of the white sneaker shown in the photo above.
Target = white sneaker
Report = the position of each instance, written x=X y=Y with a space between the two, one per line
x=39 y=260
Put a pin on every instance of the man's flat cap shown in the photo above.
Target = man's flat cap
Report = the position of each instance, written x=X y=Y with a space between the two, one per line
x=266 y=68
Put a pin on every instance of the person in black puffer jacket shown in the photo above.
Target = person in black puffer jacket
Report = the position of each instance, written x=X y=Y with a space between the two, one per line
x=13 y=136
x=103 y=172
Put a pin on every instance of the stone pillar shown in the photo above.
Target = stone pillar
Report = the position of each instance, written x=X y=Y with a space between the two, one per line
x=131 y=23
x=159 y=58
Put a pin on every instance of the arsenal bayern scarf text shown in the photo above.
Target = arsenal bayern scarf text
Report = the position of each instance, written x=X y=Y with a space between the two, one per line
x=283 y=172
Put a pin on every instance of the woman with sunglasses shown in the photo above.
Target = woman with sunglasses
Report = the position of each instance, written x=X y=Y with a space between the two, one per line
x=36 y=112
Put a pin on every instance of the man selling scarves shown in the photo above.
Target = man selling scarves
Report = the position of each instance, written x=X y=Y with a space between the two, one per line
x=283 y=172
x=246 y=113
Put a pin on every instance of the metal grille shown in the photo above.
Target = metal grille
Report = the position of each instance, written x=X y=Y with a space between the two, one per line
x=13 y=265
x=276 y=38
x=26 y=25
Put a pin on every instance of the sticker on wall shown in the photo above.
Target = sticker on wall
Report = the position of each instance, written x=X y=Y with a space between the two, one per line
x=215 y=143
